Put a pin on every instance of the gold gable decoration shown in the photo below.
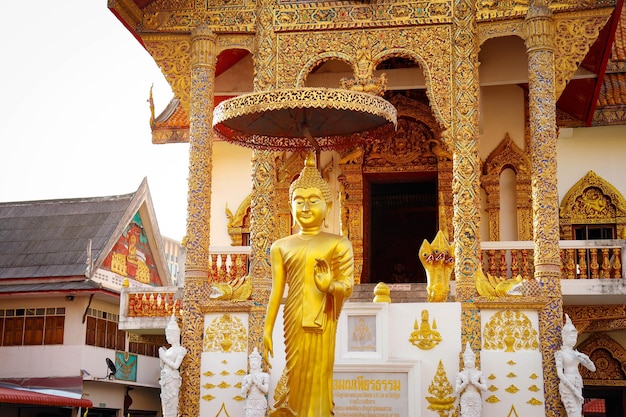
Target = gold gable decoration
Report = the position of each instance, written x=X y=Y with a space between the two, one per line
x=610 y=359
x=592 y=200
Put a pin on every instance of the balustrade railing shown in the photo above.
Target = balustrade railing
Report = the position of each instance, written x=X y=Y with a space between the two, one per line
x=228 y=263
x=225 y=264
x=581 y=259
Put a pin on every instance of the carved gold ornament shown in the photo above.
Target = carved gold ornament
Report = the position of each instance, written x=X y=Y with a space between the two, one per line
x=239 y=223
x=492 y=286
x=592 y=200
x=510 y=330
x=226 y=334
x=442 y=400
x=425 y=336
x=239 y=289
x=289 y=118
x=511 y=389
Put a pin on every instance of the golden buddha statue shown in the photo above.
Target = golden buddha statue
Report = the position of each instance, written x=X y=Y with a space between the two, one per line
x=319 y=270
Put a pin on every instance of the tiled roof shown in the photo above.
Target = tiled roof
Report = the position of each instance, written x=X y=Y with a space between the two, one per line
x=22 y=396
x=611 y=104
x=172 y=125
x=594 y=406
x=50 y=238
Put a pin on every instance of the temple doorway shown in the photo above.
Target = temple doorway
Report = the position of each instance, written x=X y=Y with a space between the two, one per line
x=402 y=214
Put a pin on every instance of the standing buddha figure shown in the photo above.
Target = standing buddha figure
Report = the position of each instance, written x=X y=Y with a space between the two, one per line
x=318 y=268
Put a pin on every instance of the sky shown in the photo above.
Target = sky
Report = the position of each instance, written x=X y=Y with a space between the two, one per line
x=74 y=88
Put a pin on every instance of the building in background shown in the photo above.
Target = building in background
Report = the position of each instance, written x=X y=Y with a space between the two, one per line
x=175 y=258
x=62 y=266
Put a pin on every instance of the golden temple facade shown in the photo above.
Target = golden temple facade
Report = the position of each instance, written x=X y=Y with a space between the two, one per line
x=487 y=93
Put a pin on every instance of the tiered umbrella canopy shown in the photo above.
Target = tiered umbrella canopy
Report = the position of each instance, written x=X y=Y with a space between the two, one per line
x=303 y=119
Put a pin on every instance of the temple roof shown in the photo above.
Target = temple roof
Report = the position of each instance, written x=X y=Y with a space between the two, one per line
x=598 y=99
x=172 y=125
x=45 y=244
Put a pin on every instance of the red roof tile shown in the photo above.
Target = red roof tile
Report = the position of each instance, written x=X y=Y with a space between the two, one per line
x=16 y=396
x=595 y=406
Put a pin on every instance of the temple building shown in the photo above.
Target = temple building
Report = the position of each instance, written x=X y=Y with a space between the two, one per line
x=509 y=141
x=62 y=266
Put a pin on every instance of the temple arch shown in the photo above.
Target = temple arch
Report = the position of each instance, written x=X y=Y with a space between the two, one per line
x=507 y=155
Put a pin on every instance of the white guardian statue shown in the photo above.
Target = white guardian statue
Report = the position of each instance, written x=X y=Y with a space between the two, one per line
x=170 y=362
x=567 y=360
x=469 y=385
x=255 y=386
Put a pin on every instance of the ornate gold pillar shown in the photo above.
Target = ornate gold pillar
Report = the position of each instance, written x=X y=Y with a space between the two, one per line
x=540 y=42
x=466 y=165
x=263 y=205
x=203 y=59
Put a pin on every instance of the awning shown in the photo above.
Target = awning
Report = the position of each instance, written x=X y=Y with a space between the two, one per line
x=17 y=396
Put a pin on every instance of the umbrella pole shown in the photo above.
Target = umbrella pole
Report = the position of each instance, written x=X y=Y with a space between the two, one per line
x=315 y=145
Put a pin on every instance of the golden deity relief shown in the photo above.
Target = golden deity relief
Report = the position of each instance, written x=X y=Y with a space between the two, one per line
x=592 y=203
x=425 y=336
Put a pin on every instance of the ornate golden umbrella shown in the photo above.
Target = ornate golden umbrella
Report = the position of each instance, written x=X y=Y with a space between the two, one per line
x=303 y=118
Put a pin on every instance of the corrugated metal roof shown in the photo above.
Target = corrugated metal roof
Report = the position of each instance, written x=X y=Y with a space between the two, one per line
x=50 y=238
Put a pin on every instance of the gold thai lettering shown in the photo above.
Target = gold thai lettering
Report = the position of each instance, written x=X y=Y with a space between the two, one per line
x=362 y=384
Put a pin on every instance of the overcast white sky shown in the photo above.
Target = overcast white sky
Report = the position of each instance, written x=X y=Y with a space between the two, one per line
x=74 y=85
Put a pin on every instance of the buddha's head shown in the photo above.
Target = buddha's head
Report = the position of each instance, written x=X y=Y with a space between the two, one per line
x=310 y=197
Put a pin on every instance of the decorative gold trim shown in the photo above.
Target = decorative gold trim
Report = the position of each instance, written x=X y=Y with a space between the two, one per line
x=609 y=356
x=521 y=302
x=219 y=306
x=237 y=119
x=512 y=412
x=239 y=223
x=510 y=331
x=440 y=387
x=592 y=200
x=425 y=336
x=511 y=389
x=507 y=155
x=492 y=399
